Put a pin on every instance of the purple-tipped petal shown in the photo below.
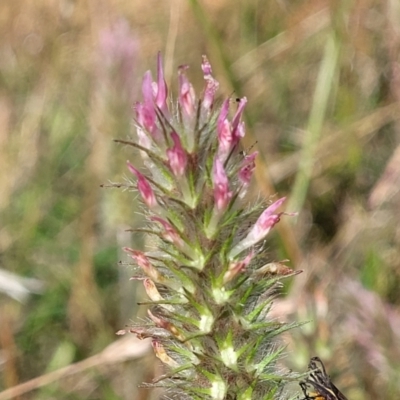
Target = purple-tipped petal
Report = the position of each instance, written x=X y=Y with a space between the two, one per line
x=147 y=89
x=236 y=268
x=222 y=195
x=187 y=97
x=145 y=112
x=224 y=132
x=239 y=132
x=177 y=156
x=144 y=140
x=211 y=85
x=206 y=66
x=162 y=89
x=238 y=115
x=145 y=264
x=238 y=126
x=223 y=114
x=146 y=117
x=247 y=168
x=144 y=187
x=224 y=139
x=170 y=234
x=265 y=222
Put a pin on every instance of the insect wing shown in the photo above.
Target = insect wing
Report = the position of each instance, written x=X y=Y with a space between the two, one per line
x=318 y=385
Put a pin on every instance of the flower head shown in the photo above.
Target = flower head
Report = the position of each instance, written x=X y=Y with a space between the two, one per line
x=209 y=299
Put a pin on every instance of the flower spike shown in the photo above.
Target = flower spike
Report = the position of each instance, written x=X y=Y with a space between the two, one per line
x=209 y=283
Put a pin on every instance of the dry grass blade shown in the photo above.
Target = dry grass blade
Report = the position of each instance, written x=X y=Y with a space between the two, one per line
x=246 y=66
x=334 y=143
x=389 y=184
x=128 y=348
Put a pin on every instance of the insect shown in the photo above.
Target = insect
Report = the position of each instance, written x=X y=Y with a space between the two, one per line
x=318 y=385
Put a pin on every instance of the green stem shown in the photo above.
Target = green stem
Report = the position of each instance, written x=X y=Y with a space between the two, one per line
x=322 y=93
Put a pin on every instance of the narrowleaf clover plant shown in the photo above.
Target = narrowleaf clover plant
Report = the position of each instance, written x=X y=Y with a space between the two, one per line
x=209 y=285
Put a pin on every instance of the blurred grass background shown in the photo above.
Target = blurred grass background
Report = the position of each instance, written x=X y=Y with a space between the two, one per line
x=323 y=82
